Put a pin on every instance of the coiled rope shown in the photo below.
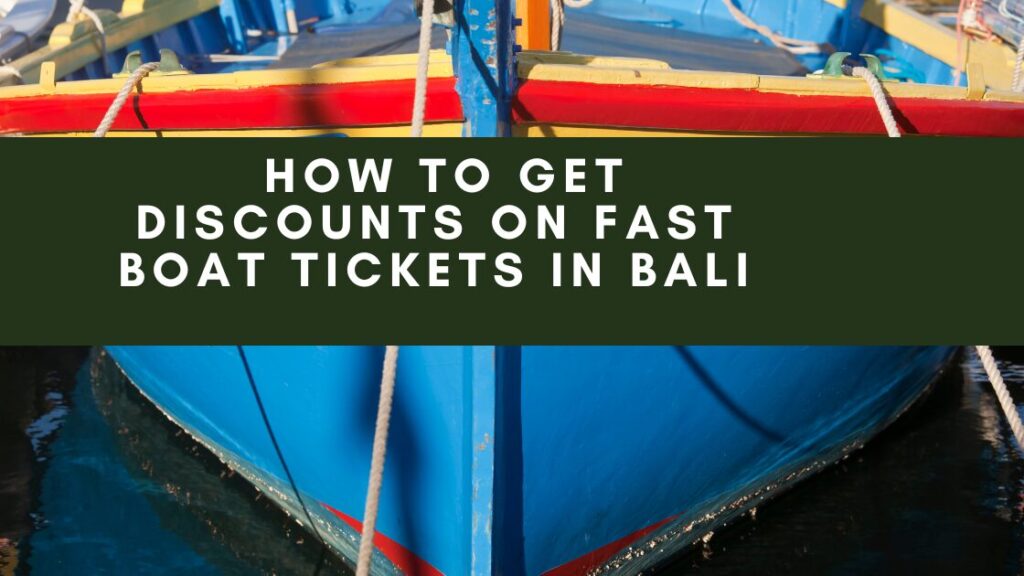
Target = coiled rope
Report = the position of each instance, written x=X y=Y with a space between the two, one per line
x=995 y=377
x=122 y=96
x=380 y=446
x=791 y=45
x=878 y=94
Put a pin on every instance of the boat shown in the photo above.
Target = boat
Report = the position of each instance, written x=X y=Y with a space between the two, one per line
x=547 y=460
x=623 y=68
x=21 y=22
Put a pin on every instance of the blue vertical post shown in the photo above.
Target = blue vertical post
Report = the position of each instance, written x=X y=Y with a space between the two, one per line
x=482 y=53
x=496 y=462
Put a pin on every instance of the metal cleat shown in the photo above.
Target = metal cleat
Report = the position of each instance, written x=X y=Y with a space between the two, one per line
x=169 y=64
x=834 y=66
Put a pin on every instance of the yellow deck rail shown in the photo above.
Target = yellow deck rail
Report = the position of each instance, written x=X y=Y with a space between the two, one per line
x=72 y=45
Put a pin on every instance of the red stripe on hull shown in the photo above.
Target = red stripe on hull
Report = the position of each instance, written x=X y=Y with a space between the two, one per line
x=400 y=556
x=592 y=560
x=290 y=106
x=739 y=110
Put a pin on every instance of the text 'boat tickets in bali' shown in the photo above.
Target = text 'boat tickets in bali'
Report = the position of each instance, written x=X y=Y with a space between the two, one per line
x=362 y=228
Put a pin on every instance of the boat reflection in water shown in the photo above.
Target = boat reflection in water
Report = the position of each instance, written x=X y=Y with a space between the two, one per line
x=127 y=492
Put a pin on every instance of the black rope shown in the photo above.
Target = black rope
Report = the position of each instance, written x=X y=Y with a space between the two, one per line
x=277 y=448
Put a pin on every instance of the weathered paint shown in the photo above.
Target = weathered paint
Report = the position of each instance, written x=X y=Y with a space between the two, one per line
x=514 y=460
x=483 y=401
x=481 y=48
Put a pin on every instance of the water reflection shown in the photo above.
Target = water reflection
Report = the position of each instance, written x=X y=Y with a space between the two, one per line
x=938 y=492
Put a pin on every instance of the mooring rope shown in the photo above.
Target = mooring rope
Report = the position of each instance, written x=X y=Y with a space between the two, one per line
x=419 y=99
x=558 y=19
x=878 y=93
x=995 y=377
x=79 y=7
x=1018 y=62
x=380 y=447
x=122 y=97
x=557 y=22
x=791 y=45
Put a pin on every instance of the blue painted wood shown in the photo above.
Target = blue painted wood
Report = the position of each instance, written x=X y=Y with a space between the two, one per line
x=482 y=54
x=483 y=48
x=516 y=460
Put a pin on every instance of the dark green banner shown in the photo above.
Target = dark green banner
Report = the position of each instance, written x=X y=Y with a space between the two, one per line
x=570 y=241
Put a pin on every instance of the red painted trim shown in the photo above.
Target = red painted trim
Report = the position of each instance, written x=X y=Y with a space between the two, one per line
x=291 y=106
x=400 y=556
x=739 y=110
x=592 y=560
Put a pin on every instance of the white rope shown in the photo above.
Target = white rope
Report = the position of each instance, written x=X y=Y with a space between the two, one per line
x=558 y=19
x=380 y=447
x=79 y=7
x=881 y=102
x=1005 y=400
x=122 y=97
x=1017 y=64
x=791 y=45
x=419 y=99
x=557 y=22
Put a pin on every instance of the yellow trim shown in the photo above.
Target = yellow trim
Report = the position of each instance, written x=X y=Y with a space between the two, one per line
x=73 y=45
x=940 y=42
x=48 y=76
x=65 y=32
x=531 y=58
x=567 y=131
x=841 y=4
x=975 y=81
x=339 y=72
x=814 y=86
x=444 y=129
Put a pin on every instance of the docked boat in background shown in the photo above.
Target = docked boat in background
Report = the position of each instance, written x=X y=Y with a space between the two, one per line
x=531 y=460
x=624 y=68
x=22 y=21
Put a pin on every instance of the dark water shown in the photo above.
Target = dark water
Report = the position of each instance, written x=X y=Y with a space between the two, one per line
x=94 y=480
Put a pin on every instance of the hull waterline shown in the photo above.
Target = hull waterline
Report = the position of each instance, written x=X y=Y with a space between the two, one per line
x=531 y=460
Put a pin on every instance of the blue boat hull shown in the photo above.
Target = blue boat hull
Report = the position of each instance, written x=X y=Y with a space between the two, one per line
x=259 y=29
x=531 y=460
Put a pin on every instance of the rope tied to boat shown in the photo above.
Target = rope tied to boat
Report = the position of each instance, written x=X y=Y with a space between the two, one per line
x=558 y=19
x=995 y=377
x=791 y=45
x=79 y=7
x=380 y=446
x=1018 y=63
x=419 y=99
x=122 y=97
x=878 y=94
